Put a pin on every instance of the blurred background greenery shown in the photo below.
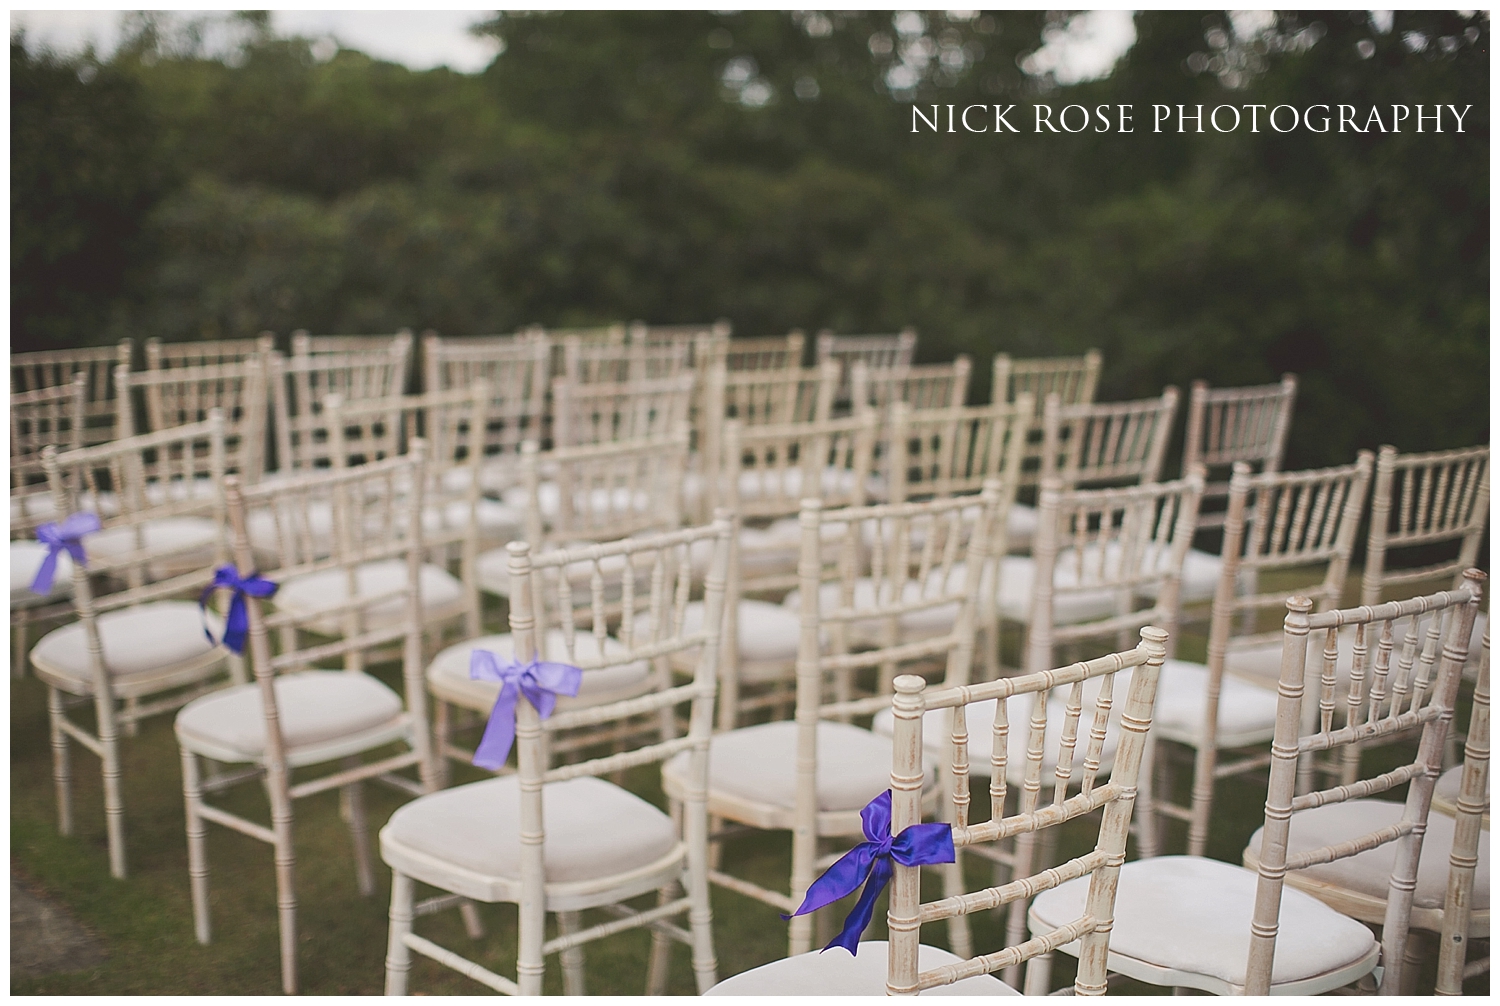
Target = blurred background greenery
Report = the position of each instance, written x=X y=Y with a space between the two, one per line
x=760 y=166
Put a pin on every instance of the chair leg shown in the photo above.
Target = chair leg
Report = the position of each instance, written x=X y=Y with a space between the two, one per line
x=1146 y=833
x=397 y=953
x=62 y=773
x=571 y=958
x=359 y=832
x=1205 y=766
x=192 y=795
x=19 y=649
x=286 y=892
x=1039 y=975
x=473 y=924
x=661 y=949
x=114 y=802
x=442 y=731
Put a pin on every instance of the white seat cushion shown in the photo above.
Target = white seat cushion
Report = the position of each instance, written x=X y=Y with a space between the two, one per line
x=1017 y=577
x=149 y=637
x=497 y=521
x=1369 y=873
x=1247 y=712
x=602 y=501
x=306 y=595
x=315 y=707
x=768 y=638
x=1193 y=915
x=26 y=558
x=593 y=829
x=839 y=973
x=495 y=475
x=759 y=763
x=180 y=538
x=980 y=719
x=449 y=671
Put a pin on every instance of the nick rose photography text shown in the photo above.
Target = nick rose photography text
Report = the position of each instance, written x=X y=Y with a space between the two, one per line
x=1188 y=118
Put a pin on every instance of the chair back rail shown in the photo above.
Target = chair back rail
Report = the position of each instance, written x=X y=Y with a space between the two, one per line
x=1074 y=379
x=1112 y=442
x=56 y=367
x=176 y=396
x=605 y=412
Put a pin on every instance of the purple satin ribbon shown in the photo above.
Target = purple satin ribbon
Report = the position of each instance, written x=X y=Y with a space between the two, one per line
x=869 y=863
x=541 y=681
x=66 y=536
x=237 y=623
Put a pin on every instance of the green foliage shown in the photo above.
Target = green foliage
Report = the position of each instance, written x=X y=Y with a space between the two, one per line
x=762 y=167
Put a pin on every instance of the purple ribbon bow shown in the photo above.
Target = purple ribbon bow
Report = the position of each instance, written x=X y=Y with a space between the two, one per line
x=918 y=845
x=66 y=536
x=238 y=621
x=541 y=681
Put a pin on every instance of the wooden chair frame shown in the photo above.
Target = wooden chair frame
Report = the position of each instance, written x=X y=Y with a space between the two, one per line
x=1116 y=798
x=54 y=367
x=300 y=383
x=1425 y=499
x=770 y=352
x=1111 y=442
x=120 y=580
x=607 y=412
x=304 y=344
x=879 y=352
x=177 y=396
x=1473 y=807
x=206 y=352
x=1418 y=692
x=1074 y=379
x=517 y=370
x=367 y=527
x=1226 y=426
x=671 y=584
x=919 y=386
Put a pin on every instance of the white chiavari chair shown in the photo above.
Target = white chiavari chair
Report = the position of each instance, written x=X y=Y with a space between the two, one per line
x=139 y=646
x=1074 y=379
x=517 y=370
x=770 y=352
x=811 y=776
x=304 y=344
x=1291 y=524
x=1226 y=426
x=606 y=412
x=766 y=473
x=55 y=367
x=561 y=839
x=1199 y=923
x=206 y=352
x=38 y=419
x=300 y=383
x=919 y=386
x=878 y=352
x=1094 y=446
x=177 y=396
x=905 y=966
x=298 y=712
x=610 y=363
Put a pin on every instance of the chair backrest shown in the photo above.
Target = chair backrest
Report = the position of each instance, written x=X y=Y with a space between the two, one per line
x=653 y=628
x=692 y=337
x=178 y=396
x=54 y=368
x=925 y=386
x=1129 y=542
x=300 y=383
x=38 y=419
x=304 y=344
x=768 y=470
x=1425 y=500
x=879 y=352
x=601 y=413
x=205 y=352
x=1473 y=807
x=761 y=397
x=1106 y=443
x=611 y=363
x=134 y=486
x=771 y=352
x=1074 y=379
x=1226 y=425
x=949 y=452
x=375 y=512
x=1088 y=720
x=517 y=370
x=1403 y=678
x=601 y=492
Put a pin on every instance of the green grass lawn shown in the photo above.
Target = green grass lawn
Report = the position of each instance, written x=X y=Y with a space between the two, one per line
x=145 y=921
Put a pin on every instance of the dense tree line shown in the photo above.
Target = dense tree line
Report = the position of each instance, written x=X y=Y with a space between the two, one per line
x=762 y=167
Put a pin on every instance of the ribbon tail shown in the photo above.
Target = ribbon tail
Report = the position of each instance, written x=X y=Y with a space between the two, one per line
x=839 y=880
x=236 y=624
x=499 y=732
x=42 y=582
x=864 y=909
